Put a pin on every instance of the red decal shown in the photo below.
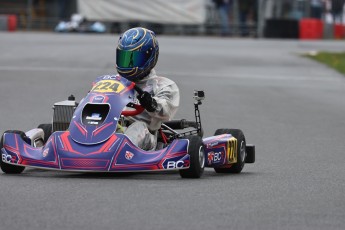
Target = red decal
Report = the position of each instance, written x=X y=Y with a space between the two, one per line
x=81 y=129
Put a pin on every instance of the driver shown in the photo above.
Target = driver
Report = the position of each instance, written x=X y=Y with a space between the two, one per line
x=136 y=56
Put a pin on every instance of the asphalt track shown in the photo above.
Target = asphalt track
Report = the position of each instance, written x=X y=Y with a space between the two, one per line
x=292 y=108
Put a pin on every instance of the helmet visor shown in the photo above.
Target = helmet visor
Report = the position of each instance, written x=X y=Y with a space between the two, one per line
x=130 y=59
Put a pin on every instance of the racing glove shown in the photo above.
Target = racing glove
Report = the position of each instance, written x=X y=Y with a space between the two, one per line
x=147 y=101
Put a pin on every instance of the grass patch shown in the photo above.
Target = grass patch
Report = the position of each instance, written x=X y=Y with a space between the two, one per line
x=334 y=60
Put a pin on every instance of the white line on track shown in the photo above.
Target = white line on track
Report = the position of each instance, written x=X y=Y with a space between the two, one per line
x=270 y=76
x=39 y=68
x=256 y=76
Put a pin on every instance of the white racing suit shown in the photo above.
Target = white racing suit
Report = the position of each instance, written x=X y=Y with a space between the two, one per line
x=143 y=131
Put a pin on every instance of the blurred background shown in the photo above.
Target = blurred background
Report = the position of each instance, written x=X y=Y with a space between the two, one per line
x=305 y=19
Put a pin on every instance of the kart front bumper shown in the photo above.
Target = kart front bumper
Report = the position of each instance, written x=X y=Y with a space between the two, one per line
x=117 y=154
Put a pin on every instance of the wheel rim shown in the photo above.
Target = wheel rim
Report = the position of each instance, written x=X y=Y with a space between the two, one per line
x=201 y=157
x=243 y=151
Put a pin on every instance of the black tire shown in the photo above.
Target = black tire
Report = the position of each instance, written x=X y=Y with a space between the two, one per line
x=197 y=158
x=241 y=151
x=8 y=168
x=47 y=129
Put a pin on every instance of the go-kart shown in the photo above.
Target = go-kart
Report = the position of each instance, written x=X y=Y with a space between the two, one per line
x=88 y=137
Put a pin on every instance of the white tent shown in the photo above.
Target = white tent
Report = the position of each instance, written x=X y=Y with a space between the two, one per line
x=156 y=11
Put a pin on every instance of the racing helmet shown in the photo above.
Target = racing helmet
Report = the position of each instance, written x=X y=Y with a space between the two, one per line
x=136 y=53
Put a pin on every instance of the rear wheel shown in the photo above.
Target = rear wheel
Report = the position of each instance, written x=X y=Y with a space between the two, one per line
x=197 y=158
x=241 y=151
x=9 y=168
x=47 y=129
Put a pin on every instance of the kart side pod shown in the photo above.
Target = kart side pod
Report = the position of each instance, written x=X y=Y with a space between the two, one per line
x=227 y=151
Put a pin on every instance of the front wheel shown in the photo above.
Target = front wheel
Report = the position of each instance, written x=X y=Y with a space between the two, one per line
x=9 y=168
x=241 y=151
x=197 y=158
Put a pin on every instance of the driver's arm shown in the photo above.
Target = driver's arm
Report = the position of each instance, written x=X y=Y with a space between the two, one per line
x=168 y=100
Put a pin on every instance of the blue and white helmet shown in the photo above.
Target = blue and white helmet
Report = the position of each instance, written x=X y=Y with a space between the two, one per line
x=136 y=53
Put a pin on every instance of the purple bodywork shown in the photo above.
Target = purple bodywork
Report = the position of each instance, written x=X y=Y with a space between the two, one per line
x=91 y=144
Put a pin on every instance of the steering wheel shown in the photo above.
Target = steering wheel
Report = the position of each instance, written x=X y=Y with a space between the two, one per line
x=138 y=109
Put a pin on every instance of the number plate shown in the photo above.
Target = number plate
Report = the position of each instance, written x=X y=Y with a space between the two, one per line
x=108 y=86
